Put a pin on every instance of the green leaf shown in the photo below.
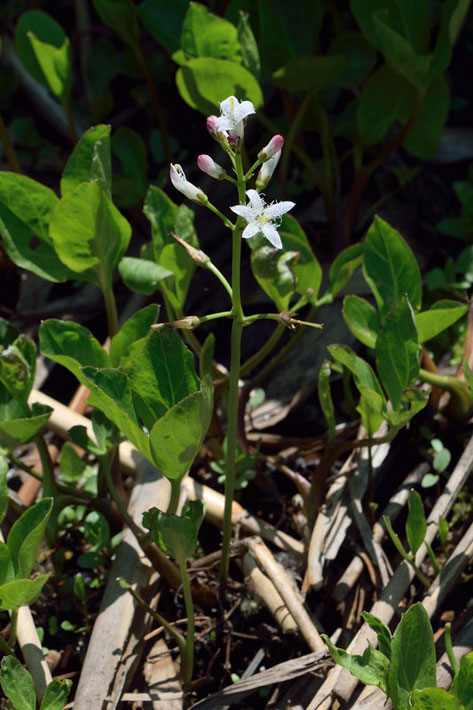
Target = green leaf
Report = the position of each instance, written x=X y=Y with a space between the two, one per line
x=135 y=328
x=462 y=685
x=206 y=356
x=204 y=82
x=177 y=436
x=274 y=271
x=71 y=345
x=7 y=570
x=4 y=490
x=390 y=267
x=113 y=395
x=45 y=52
x=363 y=374
x=412 y=402
x=18 y=424
x=424 y=137
x=307 y=269
x=396 y=540
x=71 y=465
x=89 y=233
x=141 y=275
x=8 y=333
x=442 y=460
x=360 y=58
x=18 y=366
x=371 y=668
x=176 y=260
x=248 y=45
x=17 y=684
x=438 y=318
x=362 y=319
x=377 y=108
x=21 y=592
x=286 y=30
x=161 y=375
x=398 y=353
x=416 y=525
x=129 y=187
x=163 y=19
x=444 y=527
x=26 y=534
x=56 y=695
x=343 y=267
x=207 y=35
x=25 y=211
x=305 y=73
x=96 y=531
x=382 y=632
x=162 y=213
x=90 y=160
x=122 y=17
x=434 y=699
x=453 y=16
x=325 y=397
x=412 y=656
x=176 y=535
x=370 y=408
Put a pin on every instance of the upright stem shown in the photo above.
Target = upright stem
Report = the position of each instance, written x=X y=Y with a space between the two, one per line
x=187 y=662
x=175 y=496
x=13 y=628
x=111 y=308
x=235 y=345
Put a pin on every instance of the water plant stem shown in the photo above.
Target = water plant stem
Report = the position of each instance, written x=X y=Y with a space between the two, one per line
x=175 y=496
x=235 y=362
x=111 y=308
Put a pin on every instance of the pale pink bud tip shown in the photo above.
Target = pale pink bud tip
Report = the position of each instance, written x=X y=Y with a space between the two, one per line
x=274 y=146
x=211 y=127
x=209 y=166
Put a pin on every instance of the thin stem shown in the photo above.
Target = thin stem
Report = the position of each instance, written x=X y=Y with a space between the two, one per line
x=461 y=399
x=224 y=219
x=233 y=390
x=264 y=351
x=180 y=640
x=81 y=496
x=216 y=272
x=254 y=167
x=111 y=308
x=13 y=627
x=449 y=649
x=175 y=497
x=187 y=661
x=9 y=149
x=49 y=482
x=215 y=316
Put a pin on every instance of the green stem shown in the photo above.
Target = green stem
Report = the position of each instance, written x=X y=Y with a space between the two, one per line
x=111 y=308
x=49 y=482
x=13 y=626
x=5 y=648
x=233 y=390
x=264 y=351
x=254 y=167
x=175 y=496
x=449 y=649
x=157 y=617
x=216 y=272
x=187 y=660
x=461 y=399
x=224 y=219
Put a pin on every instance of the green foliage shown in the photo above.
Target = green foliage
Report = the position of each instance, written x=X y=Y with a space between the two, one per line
x=45 y=52
x=89 y=161
x=462 y=686
x=176 y=535
x=18 y=686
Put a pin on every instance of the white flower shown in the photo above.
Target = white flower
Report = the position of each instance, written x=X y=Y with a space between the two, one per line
x=181 y=183
x=267 y=170
x=261 y=217
x=233 y=112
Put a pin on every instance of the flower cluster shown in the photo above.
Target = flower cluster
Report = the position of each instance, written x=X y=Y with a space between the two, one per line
x=228 y=129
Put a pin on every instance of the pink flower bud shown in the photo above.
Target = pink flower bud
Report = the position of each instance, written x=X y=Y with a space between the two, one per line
x=234 y=139
x=209 y=166
x=266 y=172
x=274 y=146
x=211 y=127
